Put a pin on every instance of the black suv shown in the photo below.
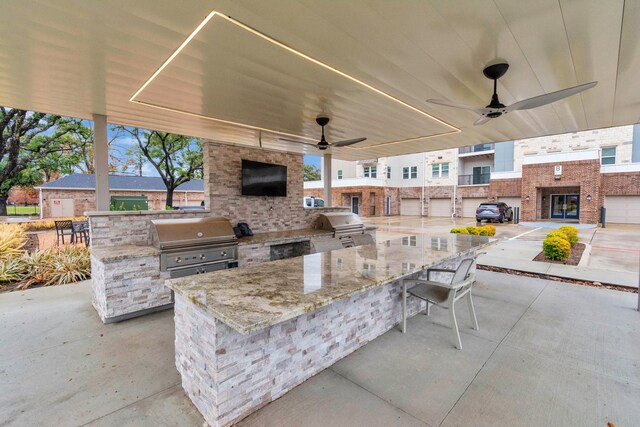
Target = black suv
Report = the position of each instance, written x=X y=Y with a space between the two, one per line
x=494 y=210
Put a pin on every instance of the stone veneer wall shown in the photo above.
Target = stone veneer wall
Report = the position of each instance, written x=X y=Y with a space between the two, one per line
x=228 y=375
x=125 y=286
x=223 y=178
x=130 y=228
x=241 y=373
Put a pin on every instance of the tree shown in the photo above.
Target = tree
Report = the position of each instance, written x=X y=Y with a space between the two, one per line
x=85 y=149
x=28 y=140
x=176 y=158
x=311 y=173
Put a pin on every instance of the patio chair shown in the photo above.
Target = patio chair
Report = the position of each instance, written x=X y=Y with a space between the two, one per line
x=444 y=293
x=64 y=228
x=80 y=232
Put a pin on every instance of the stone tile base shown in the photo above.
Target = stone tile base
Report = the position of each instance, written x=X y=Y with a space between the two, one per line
x=122 y=288
x=228 y=375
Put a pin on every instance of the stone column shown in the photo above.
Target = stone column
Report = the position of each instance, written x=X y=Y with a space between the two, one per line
x=326 y=176
x=101 y=161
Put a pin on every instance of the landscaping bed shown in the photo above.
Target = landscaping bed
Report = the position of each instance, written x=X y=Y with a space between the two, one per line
x=574 y=257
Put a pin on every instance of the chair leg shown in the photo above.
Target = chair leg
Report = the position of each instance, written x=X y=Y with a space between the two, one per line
x=454 y=327
x=472 y=311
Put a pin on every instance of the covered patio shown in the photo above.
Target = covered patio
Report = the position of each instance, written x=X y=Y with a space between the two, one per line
x=547 y=353
x=252 y=79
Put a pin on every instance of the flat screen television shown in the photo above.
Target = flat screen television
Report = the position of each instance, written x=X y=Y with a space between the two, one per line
x=263 y=179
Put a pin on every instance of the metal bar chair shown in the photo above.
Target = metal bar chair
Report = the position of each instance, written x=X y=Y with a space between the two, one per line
x=444 y=293
x=81 y=232
x=64 y=228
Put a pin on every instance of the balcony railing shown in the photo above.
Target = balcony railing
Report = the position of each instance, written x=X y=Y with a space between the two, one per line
x=475 y=179
x=478 y=148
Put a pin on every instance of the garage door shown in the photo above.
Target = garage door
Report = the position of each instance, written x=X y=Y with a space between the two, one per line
x=469 y=206
x=410 y=207
x=511 y=201
x=622 y=209
x=440 y=207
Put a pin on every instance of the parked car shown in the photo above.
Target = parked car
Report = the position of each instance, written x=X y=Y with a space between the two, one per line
x=313 y=202
x=494 y=211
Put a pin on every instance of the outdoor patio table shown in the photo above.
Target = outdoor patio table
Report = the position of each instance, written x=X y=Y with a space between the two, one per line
x=246 y=336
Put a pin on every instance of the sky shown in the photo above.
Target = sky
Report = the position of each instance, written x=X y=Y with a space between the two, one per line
x=312 y=160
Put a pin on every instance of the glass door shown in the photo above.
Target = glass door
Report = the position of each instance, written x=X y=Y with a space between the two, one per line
x=565 y=206
x=355 y=201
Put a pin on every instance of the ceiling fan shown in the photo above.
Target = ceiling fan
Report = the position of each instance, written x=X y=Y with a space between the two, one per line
x=496 y=108
x=323 y=144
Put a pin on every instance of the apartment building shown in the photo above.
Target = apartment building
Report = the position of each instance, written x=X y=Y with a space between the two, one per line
x=567 y=177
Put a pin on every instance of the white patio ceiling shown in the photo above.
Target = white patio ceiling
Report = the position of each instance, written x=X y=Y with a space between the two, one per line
x=369 y=64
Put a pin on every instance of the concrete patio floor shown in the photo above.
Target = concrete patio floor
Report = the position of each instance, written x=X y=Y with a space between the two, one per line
x=547 y=353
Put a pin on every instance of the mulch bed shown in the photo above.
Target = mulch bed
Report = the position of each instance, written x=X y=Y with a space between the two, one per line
x=574 y=258
x=558 y=279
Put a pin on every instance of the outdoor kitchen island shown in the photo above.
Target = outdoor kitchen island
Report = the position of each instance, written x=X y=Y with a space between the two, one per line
x=246 y=336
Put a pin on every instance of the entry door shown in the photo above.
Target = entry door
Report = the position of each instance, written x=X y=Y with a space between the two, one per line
x=565 y=206
x=388 y=206
x=355 y=201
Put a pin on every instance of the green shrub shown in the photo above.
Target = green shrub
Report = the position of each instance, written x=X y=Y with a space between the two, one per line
x=12 y=239
x=475 y=231
x=491 y=230
x=571 y=233
x=559 y=234
x=556 y=247
x=459 y=230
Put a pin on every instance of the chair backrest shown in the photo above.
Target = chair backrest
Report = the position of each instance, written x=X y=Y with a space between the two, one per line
x=80 y=226
x=463 y=270
x=64 y=225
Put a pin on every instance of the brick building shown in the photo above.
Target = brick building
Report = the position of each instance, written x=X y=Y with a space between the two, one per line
x=567 y=177
x=75 y=194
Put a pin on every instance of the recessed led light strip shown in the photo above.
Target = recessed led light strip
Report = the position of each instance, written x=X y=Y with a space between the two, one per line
x=296 y=52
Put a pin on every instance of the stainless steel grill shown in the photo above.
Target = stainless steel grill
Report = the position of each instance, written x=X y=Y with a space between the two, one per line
x=341 y=223
x=348 y=231
x=195 y=245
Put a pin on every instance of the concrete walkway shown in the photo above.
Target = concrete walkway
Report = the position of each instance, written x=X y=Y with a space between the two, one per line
x=613 y=252
x=546 y=354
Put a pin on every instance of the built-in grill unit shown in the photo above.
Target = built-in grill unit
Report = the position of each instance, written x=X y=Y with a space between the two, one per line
x=195 y=245
x=348 y=231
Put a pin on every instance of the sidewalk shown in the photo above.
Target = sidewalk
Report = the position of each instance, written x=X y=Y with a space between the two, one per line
x=518 y=255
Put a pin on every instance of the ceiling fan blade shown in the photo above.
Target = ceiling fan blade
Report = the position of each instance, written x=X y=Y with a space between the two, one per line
x=539 y=101
x=297 y=141
x=482 y=120
x=347 y=142
x=446 y=103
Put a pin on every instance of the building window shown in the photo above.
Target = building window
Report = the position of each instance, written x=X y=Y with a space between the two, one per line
x=440 y=170
x=414 y=172
x=339 y=173
x=370 y=171
x=388 y=172
x=405 y=173
x=608 y=156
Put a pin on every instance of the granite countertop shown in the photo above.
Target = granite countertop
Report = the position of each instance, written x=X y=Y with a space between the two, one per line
x=256 y=297
x=276 y=237
x=117 y=253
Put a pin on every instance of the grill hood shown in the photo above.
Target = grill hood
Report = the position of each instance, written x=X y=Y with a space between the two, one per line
x=341 y=223
x=190 y=232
